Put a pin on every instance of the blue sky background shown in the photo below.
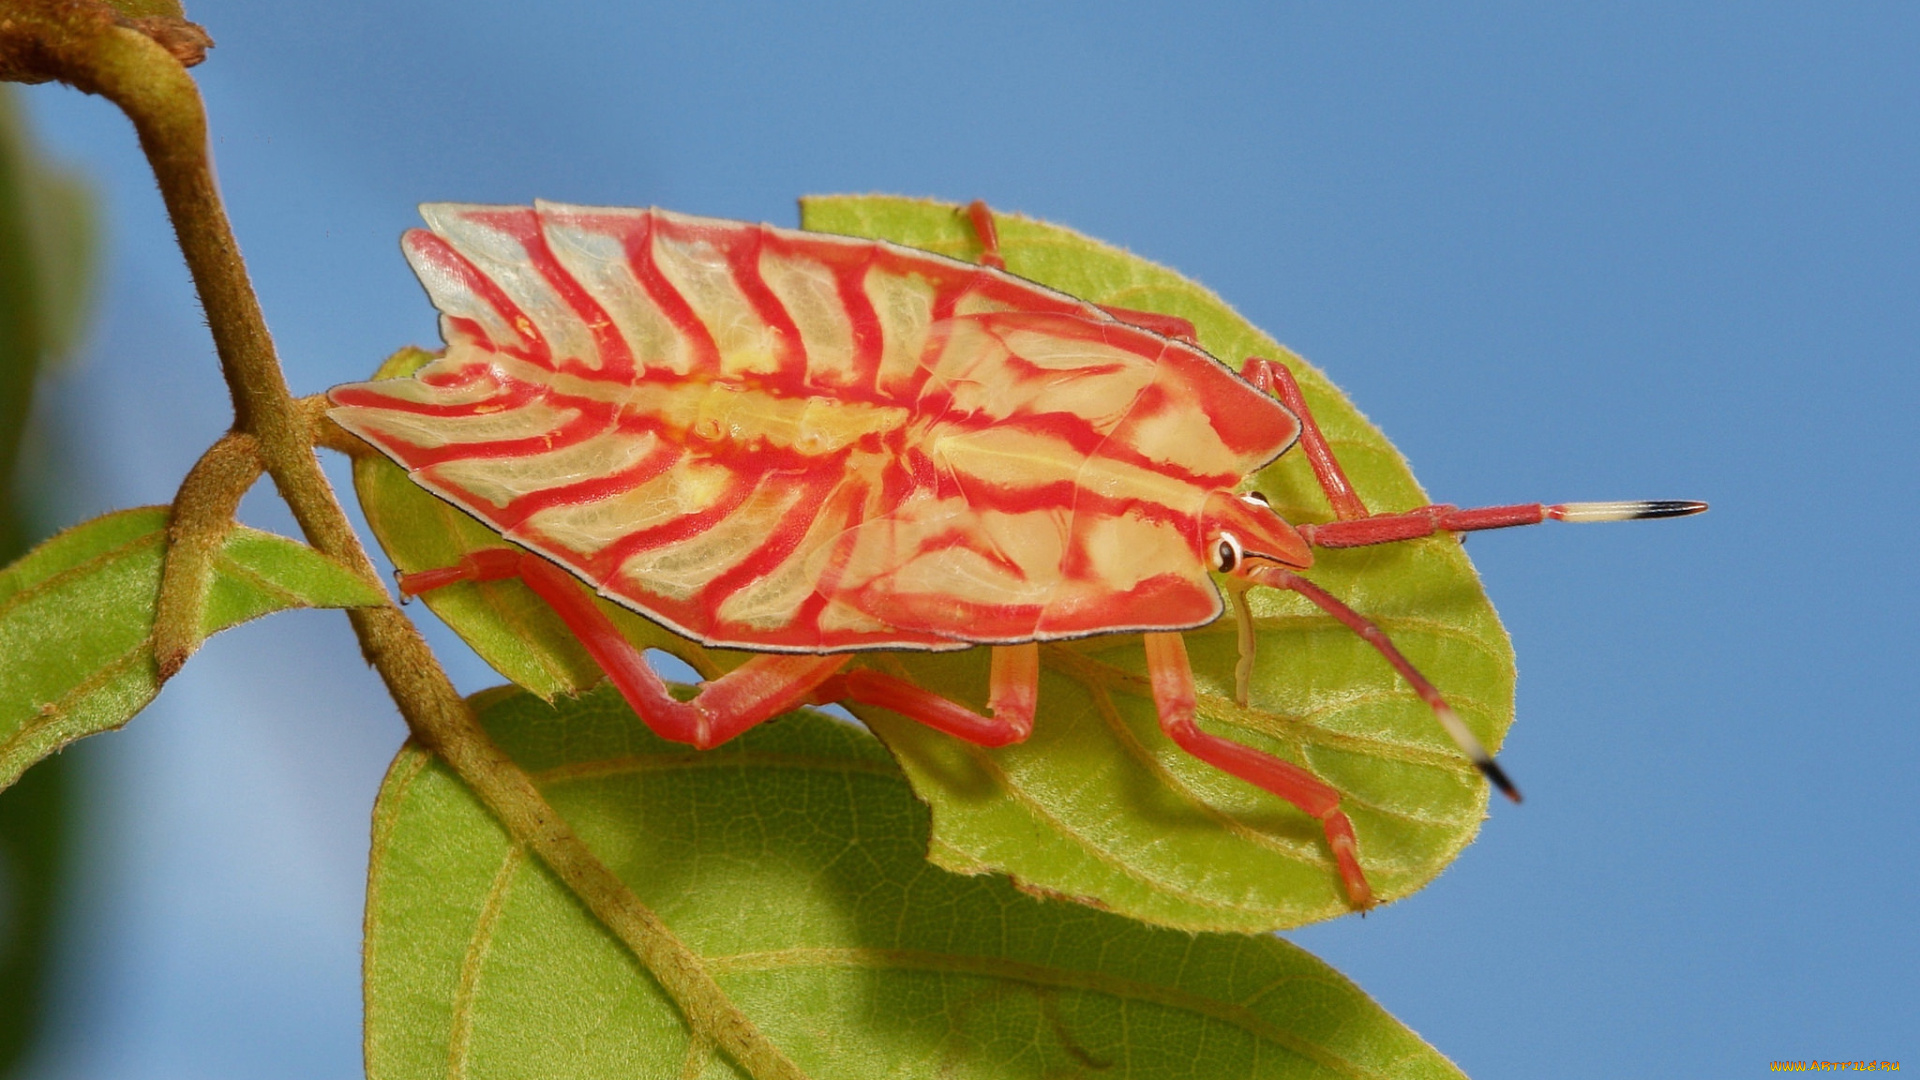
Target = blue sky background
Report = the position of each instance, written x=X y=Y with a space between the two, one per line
x=1600 y=254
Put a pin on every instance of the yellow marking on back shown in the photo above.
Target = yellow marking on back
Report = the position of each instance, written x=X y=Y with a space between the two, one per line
x=499 y=481
x=598 y=261
x=723 y=412
x=700 y=273
x=811 y=297
x=904 y=306
x=680 y=570
x=432 y=432
x=585 y=528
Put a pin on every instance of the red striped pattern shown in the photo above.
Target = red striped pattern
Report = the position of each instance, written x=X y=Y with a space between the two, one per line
x=780 y=440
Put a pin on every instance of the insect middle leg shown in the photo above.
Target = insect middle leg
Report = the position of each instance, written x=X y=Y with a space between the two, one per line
x=756 y=691
x=1012 y=691
x=1173 y=695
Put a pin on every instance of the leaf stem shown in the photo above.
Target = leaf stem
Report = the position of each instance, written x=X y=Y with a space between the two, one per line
x=326 y=433
x=87 y=45
x=202 y=517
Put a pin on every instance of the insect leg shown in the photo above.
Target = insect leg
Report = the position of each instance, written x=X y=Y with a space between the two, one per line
x=1281 y=578
x=1357 y=528
x=1012 y=691
x=1173 y=695
x=756 y=691
x=1273 y=377
x=1172 y=326
x=982 y=219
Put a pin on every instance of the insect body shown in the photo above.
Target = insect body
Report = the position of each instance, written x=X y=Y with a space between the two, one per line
x=807 y=445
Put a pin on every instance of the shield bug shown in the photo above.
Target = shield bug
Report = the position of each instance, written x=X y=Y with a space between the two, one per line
x=808 y=446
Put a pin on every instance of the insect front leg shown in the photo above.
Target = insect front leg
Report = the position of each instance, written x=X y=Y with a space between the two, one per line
x=756 y=691
x=1356 y=527
x=1274 y=378
x=1173 y=695
x=1013 y=689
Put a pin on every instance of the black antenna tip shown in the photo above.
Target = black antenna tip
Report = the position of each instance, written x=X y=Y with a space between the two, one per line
x=1635 y=510
x=1498 y=777
x=1666 y=508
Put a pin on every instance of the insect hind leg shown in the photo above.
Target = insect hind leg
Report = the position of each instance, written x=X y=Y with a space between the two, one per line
x=984 y=230
x=756 y=691
x=1173 y=695
x=981 y=219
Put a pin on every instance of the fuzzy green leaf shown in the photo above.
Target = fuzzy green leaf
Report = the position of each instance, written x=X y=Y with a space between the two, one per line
x=1099 y=805
x=790 y=861
x=76 y=621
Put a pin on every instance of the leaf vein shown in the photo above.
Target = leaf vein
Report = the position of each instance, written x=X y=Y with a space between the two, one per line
x=466 y=991
x=1038 y=975
x=104 y=559
x=707 y=759
x=51 y=713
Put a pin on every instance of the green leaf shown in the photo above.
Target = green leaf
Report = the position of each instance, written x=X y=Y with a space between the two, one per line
x=76 y=621
x=790 y=861
x=1099 y=805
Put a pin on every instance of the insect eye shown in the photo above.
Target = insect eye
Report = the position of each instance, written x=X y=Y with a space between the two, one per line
x=1255 y=497
x=1226 y=553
